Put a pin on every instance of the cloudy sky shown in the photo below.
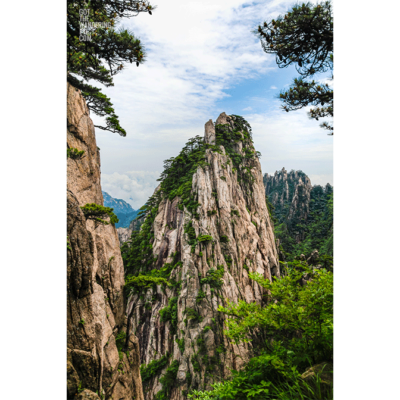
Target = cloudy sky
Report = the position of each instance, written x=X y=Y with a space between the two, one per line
x=203 y=59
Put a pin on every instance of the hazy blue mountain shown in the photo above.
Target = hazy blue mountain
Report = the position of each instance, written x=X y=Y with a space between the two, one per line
x=122 y=209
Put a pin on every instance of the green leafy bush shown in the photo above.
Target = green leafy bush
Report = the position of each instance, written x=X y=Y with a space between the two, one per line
x=210 y=213
x=200 y=296
x=290 y=332
x=170 y=313
x=75 y=154
x=181 y=344
x=136 y=284
x=224 y=239
x=98 y=213
x=168 y=381
x=235 y=212
x=120 y=340
x=153 y=368
x=204 y=238
x=68 y=244
x=192 y=314
x=214 y=276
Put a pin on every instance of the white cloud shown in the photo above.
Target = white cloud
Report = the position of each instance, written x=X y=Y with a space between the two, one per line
x=273 y=87
x=135 y=187
x=196 y=51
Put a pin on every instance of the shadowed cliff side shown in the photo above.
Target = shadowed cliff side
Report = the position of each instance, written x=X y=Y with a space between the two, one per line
x=102 y=360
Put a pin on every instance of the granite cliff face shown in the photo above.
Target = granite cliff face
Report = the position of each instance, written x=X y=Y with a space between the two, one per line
x=102 y=360
x=297 y=204
x=124 y=234
x=289 y=193
x=207 y=250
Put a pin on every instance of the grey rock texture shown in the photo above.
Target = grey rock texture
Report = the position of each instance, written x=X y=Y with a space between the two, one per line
x=95 y=279
x=209 y=135
x=124 y=234
x=235 y=215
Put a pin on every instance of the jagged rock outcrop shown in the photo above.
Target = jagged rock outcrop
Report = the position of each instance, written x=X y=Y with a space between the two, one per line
x=289 y=193
x=301 y=210
x=96 y=319
x=212 y=250
x=124 y=234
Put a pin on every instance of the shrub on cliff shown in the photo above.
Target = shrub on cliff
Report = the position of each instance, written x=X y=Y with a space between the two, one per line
x=290 y=332
x=98 y=213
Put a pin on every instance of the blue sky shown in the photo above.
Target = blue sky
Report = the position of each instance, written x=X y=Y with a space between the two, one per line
x=202 y=59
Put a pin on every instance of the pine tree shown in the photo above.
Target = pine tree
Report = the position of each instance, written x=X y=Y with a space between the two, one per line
x=97 y=51
x=304 y=38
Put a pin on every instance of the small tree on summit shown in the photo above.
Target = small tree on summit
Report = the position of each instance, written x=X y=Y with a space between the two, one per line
x=97 y=51
x=303 y=37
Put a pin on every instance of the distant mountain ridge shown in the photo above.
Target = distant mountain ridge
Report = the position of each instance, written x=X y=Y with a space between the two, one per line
x=303 y=212
x=122 y=209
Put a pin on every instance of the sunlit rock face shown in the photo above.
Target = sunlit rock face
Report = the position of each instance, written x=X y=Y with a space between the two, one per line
x=234 y=222
x=95 y=278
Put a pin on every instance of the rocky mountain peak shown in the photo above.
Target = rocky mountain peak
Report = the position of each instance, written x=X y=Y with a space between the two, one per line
x=207 y=227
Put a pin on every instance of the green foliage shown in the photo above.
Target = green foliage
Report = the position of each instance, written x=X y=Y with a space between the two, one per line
x=292 y=308
x=75 y=154
x=98 y=213
x=120 y=341
x=170 y=313
x=317 y=229
x=204 y=238
x=82 y=322
x=136 y=284
x=303 y=37
x=210 y=213
x=291 y=331
x=200 y=296
x=181 y=344
x=235 y=212
x=176 y=179
x=224 y=239
x=68 y=244
x=101 y=53
x=227 y=136
x=188 y=228
x=80 y=388
x=137 y=253
x=149 y=371
x=214 y=277
x=168 y=381
x=223 y=178
x=270 y=209
x=192 y=314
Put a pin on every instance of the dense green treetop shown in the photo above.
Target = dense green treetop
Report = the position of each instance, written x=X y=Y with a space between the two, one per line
x=304 y=38
x=97 y=50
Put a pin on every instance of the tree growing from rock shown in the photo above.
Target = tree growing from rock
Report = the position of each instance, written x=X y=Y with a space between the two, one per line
x=304 y=38
x=97 y=50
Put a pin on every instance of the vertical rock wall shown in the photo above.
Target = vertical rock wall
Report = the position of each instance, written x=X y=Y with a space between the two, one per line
x=95 y=279
x=289 y=193
x=234 y=213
